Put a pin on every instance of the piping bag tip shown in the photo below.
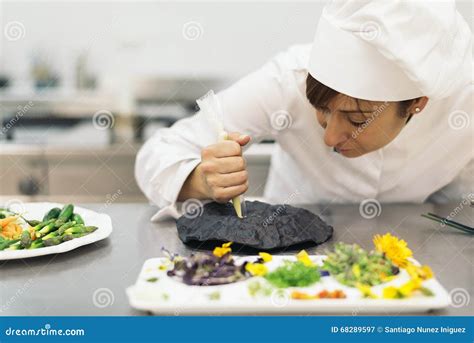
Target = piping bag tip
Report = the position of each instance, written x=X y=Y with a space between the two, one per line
x=239 y=206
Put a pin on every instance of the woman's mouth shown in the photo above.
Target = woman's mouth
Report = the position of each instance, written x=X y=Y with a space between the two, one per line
x=341 y=150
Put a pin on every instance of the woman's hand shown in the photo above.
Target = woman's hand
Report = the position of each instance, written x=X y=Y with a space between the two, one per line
x=222 y=173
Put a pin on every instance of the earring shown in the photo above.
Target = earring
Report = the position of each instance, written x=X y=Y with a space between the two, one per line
x=417 y=109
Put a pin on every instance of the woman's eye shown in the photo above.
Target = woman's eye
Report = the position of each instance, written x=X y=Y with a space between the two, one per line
x=357 y=123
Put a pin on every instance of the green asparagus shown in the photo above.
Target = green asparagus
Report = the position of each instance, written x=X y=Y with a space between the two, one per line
x=25 y=239
x=52 y=214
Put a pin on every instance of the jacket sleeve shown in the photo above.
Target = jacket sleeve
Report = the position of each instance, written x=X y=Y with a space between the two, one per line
x=171 y=154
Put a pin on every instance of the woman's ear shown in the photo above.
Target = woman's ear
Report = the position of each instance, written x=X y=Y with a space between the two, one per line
x=417 y=106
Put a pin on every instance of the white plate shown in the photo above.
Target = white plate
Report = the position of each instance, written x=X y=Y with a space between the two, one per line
x=36 y=210
x=168 y=296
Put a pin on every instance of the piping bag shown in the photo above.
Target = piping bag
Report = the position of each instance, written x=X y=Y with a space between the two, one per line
x=211 y=108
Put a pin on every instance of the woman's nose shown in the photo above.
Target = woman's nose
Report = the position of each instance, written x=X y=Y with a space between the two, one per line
x=334 y=133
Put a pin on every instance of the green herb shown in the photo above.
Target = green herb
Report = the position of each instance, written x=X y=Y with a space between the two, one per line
x=152 y=279
x=257 y=288
x=426 y=291
x=293 y=274
x=351 y=265
x=214 y=295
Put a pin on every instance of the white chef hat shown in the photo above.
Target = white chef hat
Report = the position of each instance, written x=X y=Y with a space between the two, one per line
x=392 y=50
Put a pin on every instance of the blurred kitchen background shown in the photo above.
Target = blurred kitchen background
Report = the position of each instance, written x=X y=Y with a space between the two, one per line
x=83 y=84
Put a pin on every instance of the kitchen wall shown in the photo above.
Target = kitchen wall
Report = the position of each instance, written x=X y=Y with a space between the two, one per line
x=164 y=38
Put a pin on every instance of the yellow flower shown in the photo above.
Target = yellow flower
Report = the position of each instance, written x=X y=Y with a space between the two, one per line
x=422 y=272
x=256 y=269
x=266 y=257
x=408 y=288
x=303 y=257
x=404 y=291
x=222 y=250
x=394 y=249
x=366 y=291
x=390 y=292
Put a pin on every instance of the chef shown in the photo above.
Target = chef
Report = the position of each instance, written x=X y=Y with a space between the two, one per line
x=379 y=106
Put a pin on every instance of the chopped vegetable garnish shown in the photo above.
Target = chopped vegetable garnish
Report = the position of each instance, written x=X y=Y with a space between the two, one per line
x=152 y=279
x=352 y=265
x=293 y=274
x=214 y=295
x=259 y=288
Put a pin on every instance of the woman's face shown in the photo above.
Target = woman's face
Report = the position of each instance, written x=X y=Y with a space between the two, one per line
x=357 y=128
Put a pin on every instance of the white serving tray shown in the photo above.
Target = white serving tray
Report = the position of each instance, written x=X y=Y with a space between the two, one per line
x=36 y=210
x=168 y=296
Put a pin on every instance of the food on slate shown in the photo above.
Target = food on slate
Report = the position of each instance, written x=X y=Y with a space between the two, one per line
x=57 y=226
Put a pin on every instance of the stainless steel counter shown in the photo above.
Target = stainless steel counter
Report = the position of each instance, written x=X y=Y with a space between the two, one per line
x=65 y=284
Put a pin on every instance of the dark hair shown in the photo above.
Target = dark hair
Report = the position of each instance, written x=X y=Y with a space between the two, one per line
x=319 y=95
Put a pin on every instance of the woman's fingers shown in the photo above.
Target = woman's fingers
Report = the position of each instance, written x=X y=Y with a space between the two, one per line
x=224 y=194
x=229 y=180
x=223 y=168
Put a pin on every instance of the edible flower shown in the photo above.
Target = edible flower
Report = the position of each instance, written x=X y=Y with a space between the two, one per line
x=422 y=272
x=222 y=250
x=256 y=269
x=303 y=257
x=406 y=290
x=324 y=294
x=366 y=291
x=266 y=257
x=395 y=249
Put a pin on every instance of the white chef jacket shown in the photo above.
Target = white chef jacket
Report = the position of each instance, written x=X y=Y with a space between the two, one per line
x=426 y=156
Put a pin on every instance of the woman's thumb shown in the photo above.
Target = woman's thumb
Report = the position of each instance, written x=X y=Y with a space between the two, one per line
x=239 y=138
